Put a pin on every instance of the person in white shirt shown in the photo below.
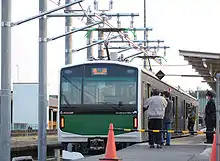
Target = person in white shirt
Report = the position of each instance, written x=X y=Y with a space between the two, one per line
x=155 y=107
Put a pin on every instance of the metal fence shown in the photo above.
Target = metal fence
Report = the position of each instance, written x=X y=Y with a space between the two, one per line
x=17 y=133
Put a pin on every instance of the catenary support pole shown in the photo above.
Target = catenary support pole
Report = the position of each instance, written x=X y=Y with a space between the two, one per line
x=5 y=130
x=145 y=33
x=42 y=102
x=89 y=40
x=217 y=116
x=100 y=46
x=68 y=38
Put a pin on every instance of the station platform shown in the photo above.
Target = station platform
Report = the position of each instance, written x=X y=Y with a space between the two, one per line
x=27 y=146
x=190 y=148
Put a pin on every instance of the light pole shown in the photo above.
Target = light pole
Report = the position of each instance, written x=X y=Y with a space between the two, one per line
x=17 y=68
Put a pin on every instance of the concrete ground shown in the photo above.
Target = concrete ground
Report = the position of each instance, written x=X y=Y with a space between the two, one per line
x=182 y=149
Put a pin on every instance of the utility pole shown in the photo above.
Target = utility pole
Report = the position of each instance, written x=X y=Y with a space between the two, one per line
x=68 y=39
x=89 y=40
x=100 y=46
x=5 y=111
x=42 y=98
x=145 y=34
x=100 y=32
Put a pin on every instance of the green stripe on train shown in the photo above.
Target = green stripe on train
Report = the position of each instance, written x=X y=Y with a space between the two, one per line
x=95 y=124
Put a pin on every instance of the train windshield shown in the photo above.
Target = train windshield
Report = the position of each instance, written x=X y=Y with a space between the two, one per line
x=99 y=84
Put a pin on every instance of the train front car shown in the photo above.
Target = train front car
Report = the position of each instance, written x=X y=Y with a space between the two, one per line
x=92 y=96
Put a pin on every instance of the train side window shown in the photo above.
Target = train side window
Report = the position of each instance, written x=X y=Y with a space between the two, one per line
x=146 y=90
x=184 y=109
x=174 y=103
x=149 y=90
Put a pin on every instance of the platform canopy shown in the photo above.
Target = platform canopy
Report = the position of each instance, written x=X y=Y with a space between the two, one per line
x=205 y=63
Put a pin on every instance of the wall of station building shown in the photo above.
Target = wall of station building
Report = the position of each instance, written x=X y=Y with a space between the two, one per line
x=25 y=105
x=202 y=100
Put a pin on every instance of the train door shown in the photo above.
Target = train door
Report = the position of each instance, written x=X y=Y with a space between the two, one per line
x=146 y=90
x=174 y=106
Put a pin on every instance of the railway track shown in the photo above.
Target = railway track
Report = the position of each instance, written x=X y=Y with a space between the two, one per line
x=17 y=133
x=32 y=151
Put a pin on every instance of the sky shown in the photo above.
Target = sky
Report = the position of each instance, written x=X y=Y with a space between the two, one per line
x=182 y=24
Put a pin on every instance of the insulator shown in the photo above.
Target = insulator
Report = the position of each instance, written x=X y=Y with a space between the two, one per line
x=158 y=45
x=132 y=24
x=135 y=36
x=126 y=34
x=122 y=56
x=95 y=5
x=132 y=21
x=89 y=9
x=110 y=4
x=119 y=24
x=155 y=50
x=164 y=52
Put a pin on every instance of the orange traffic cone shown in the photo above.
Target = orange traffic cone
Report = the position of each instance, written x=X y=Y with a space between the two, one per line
x=110 y=151
x=213 y=152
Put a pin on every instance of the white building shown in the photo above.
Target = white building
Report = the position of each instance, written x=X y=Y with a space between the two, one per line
x=25 y=107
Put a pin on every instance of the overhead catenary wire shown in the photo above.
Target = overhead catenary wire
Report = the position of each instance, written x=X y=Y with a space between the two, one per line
x=92 y=19
x=123 y=35
x=126 y=37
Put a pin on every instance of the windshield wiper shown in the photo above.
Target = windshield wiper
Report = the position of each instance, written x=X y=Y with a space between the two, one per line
x=65 y=77
x=112 y=105
x=65 y=99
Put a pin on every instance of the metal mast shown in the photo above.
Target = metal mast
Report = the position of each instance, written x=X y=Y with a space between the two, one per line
x=5 y=111
x=145 y=33
x=68 y=38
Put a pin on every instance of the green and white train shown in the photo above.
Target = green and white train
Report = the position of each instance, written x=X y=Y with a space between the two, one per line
x=97 y=93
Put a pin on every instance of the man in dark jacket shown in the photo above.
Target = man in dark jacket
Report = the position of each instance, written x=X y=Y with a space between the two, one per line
x=168 y=117
x=210 y=117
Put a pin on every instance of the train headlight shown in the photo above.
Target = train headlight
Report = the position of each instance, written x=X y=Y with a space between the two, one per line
x=62 y=122
x=135 y=122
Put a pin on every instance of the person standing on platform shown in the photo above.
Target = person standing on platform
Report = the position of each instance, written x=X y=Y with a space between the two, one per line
x=168 y=118
x=210 y=117
x=156 y=108
x=191 y=120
